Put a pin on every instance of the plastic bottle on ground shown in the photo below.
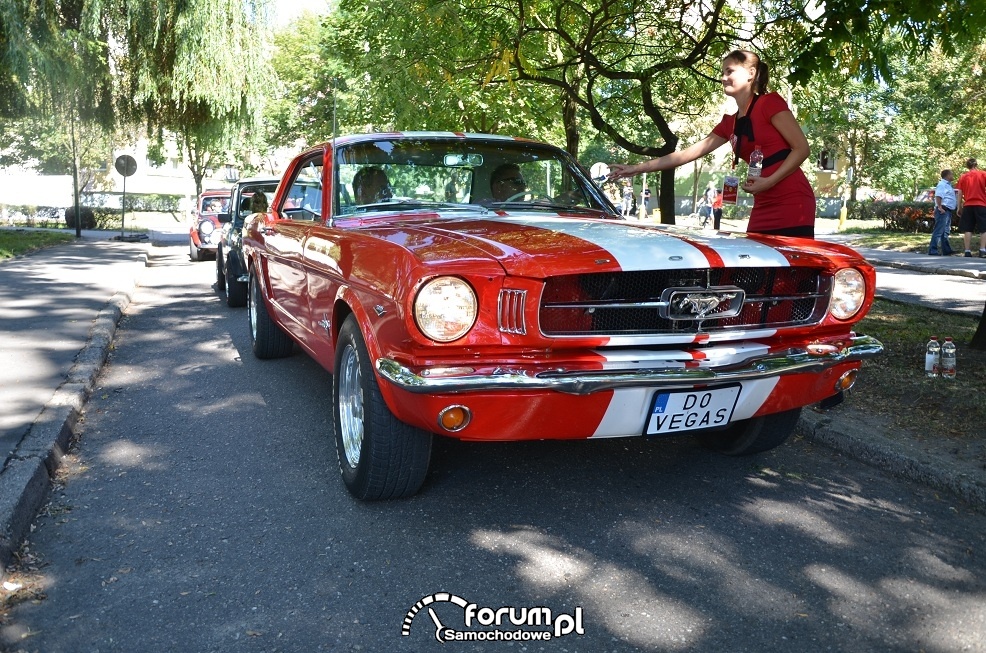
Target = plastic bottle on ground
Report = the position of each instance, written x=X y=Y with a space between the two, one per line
x=932 y=360
x=948 y=359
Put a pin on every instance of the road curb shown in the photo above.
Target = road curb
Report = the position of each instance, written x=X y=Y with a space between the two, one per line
x=925 y=269
x=884 y=454
x=26 y=480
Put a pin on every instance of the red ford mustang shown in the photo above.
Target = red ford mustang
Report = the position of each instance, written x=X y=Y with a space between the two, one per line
x=483 y=288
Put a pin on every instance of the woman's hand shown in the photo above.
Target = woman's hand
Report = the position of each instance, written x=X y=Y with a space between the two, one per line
x=620 y=171
x=757 y=185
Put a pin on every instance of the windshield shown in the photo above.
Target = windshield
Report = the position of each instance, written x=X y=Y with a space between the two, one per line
x=454 y=173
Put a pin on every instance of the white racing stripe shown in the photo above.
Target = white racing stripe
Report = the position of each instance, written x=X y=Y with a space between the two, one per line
x=718 y=356
x=638 y=248
x=741 y=252
x=633 y=248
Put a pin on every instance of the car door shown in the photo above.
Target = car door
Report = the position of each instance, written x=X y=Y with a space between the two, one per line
x=299 y=210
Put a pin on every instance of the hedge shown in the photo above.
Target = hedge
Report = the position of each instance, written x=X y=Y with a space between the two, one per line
x=914 y=217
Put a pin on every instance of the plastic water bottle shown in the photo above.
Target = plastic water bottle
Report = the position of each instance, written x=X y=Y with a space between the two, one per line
x=948 y=359
x=932 y=361
x=756 y=163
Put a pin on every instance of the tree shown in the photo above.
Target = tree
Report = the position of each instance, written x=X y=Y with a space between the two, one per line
x=448 y=74
x=194 y=68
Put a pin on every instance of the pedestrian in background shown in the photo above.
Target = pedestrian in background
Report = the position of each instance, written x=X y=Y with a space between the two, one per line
x=645 y=201
x=717 y=211
x=627 y=199
x=707 y=206
x=784 y=203
x=971 y=206
x=944 y=207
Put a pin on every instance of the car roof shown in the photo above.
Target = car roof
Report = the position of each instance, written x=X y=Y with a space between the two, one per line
x=266 y=179
x=349 y=139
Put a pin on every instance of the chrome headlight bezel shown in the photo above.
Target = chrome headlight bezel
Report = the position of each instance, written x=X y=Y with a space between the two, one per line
x=848 y=293
x=445 y=309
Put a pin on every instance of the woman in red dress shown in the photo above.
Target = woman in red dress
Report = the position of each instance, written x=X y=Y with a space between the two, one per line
x=783 y=200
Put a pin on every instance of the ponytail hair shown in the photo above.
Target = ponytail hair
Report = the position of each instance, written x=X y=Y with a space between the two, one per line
x=761 y=72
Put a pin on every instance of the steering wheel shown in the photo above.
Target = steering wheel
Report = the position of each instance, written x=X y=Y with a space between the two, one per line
x=523 y=194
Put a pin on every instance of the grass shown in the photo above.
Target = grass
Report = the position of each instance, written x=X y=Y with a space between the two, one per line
x=901 y=242
x=14 y=242
x=894 y=384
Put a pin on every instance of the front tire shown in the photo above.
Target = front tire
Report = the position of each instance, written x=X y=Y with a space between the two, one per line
x=194 y=253
x=380 y=457
x=753 y=435
x=268 y=339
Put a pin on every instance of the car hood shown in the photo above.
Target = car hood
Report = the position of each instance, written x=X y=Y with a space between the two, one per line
x=539 y=245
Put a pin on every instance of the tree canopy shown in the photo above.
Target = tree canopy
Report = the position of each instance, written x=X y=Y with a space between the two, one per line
x=197 y=69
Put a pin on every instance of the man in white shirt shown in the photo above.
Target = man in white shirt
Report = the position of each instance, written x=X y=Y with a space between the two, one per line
x=944 y=208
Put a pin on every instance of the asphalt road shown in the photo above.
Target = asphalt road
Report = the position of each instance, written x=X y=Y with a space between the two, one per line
x=203 y=511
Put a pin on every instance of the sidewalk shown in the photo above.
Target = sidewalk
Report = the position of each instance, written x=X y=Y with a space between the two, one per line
x=60 y=307
x=953 y=284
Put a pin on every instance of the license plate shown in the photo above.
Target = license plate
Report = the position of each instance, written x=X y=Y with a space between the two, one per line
x=689 y=410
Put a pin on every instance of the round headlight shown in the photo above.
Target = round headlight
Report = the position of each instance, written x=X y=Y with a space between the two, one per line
x=206 y=227
x=848 y=293
x=445 y=309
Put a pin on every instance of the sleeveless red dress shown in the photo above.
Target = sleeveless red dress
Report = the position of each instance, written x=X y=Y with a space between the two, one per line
x=791 y=203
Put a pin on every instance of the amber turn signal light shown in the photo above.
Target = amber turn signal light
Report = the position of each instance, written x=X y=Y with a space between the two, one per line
x=454 y=418
x=846 y=381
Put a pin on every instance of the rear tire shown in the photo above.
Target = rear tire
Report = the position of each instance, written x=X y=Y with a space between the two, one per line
x=220 y=275
x=380 y=457
x=269 y=340
x=754 y=435
x=236 y=292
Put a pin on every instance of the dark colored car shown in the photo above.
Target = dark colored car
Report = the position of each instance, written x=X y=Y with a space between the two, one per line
x=231 y=271
x=482 y=288
x=203 y=232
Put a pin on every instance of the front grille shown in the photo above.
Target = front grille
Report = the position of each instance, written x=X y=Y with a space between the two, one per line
x=628 y=303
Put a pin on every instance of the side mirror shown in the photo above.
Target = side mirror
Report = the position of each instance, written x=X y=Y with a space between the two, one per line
x=224 y=217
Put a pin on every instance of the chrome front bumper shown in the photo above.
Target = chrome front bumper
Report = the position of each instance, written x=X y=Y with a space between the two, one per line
x=792 y=361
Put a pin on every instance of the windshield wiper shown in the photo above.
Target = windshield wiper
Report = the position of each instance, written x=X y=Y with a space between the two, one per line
x=540 y=206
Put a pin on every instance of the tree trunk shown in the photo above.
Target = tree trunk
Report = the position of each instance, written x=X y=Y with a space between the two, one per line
x=667 y=197
x=570 y=121
x=75 y=176
x=979 y=337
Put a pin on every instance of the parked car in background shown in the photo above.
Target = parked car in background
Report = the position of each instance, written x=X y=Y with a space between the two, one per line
x=231 y=276
x=926 y=195
x=483 y=288
x=203 y=232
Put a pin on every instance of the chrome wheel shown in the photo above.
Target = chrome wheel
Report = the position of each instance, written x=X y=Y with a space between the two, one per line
x=253 y=310
x=380 y=457
x=351 y=406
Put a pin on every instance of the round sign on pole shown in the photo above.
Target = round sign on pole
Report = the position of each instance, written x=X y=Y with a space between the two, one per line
x=125 y=165
x=599 y=171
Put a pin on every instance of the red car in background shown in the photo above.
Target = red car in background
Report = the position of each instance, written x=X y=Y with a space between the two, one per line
x=483 y=288
x=205 y=230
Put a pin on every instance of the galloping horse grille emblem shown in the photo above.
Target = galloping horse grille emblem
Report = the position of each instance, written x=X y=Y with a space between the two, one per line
x=701 y=303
